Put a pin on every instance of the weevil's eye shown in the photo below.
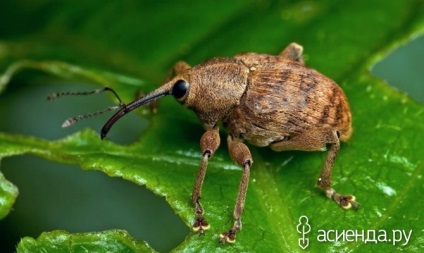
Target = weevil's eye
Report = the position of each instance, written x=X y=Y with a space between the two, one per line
x=180 y=89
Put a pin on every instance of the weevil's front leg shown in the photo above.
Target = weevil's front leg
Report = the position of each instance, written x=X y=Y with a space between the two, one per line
x=324 y=181
x=178 y=68
x=240 y=153
x=209 y=143
x=293 y=52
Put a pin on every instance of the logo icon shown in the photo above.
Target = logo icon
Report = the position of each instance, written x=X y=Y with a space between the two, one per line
x=303 y=228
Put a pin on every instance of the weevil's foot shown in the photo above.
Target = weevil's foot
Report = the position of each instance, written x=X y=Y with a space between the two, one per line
x=346 y=201
x=229 y=236
x=200 y=225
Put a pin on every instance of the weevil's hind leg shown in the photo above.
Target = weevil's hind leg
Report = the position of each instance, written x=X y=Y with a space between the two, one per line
x=178 y=68
x=240 y=153
x=324 y=181
x=209 y=143
x=293 y=52
x=315 y=140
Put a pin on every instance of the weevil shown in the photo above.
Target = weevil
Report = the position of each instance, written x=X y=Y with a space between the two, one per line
x=262 y=99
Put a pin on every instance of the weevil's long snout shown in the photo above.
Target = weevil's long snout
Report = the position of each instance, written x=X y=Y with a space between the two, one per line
x=154 y=95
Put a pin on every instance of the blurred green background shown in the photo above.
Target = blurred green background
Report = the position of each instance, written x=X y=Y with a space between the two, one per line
x=80 y=201
x=403 y=68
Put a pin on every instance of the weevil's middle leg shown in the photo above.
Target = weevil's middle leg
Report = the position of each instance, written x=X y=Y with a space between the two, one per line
x=324 y=181
x=209 y=143
x=293 y=52
x=240 y=153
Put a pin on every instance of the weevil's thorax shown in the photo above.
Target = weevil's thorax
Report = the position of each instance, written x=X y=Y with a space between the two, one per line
x=216 y=87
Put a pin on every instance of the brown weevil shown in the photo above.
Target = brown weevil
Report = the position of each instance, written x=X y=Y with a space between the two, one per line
x=266 y=100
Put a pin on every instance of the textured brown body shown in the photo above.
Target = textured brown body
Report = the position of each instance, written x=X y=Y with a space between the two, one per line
x=284 y=99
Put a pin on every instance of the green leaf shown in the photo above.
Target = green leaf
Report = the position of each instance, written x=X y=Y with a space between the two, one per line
x=62 y=241
x=8 y=194
x=381 y=165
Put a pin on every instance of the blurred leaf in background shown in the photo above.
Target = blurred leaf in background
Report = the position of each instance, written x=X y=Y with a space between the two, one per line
x=48 y=46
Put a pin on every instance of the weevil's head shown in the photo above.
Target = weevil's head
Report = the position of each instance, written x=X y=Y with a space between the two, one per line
x=210 y=89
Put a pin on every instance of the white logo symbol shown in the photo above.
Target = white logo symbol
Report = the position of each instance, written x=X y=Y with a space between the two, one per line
x=303 y=228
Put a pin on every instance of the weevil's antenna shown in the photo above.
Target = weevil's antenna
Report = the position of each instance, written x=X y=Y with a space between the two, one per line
x=55 y=95
x=73 y=120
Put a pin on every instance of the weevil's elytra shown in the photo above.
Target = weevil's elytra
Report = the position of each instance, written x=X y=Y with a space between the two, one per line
x=262 y=99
